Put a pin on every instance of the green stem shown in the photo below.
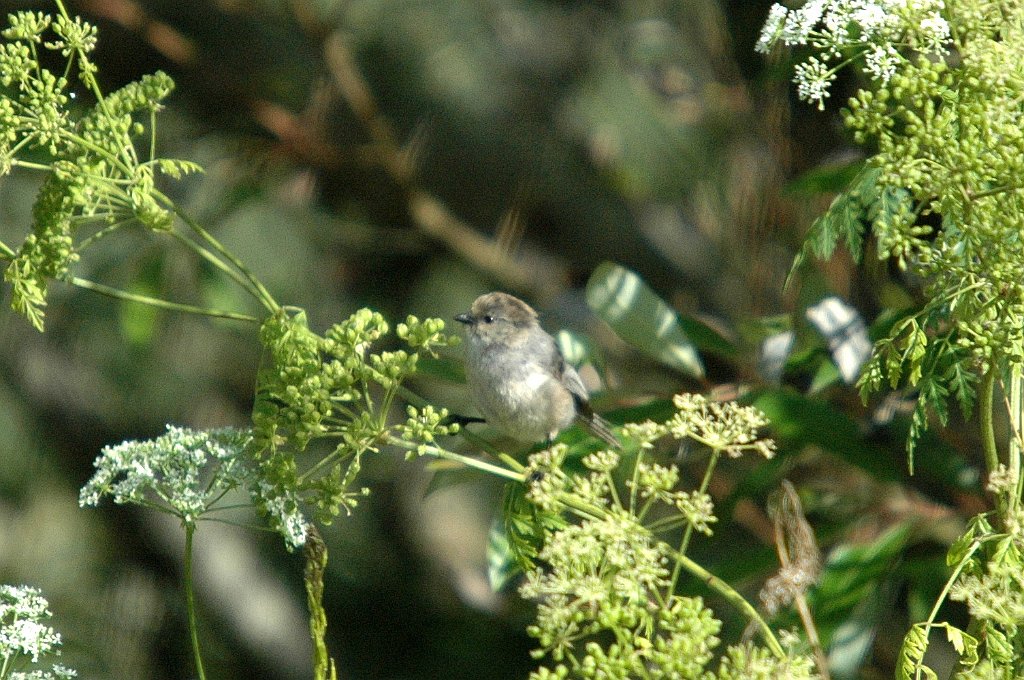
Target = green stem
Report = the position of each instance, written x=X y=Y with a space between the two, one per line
x=6 y=252
x=734 y=598
x=688 y=532
x=190 y=601
x=1016 y=423
x=988 y=433
x=29 y=165
x=263 y=294
x=930 y=621
x=157 y=302
x=105 y=231
x=316 y=566
x=216 y=262
x=474 y=463
x=101 y=152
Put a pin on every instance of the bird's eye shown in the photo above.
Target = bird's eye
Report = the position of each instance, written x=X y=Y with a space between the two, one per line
x=488 y=319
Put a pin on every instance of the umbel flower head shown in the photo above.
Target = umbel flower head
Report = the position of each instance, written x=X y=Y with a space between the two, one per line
x=24 y=637
x=861 y=30
x=183 y=472
x=605 y=582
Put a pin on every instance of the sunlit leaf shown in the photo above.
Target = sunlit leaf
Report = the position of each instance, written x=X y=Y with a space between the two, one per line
x=910 y=660
x=636 y=313
x=502 y=565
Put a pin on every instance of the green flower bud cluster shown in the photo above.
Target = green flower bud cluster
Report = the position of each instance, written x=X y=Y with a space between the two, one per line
x=333 y=389
x=94 y=171
x=951 y=133
x=722 y=426
x=605 y=584
x=747 y=662
x=943 y=194
x=47 y=253
x=425 y=425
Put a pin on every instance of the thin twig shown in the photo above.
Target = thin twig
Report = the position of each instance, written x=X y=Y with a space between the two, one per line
x=157 y=302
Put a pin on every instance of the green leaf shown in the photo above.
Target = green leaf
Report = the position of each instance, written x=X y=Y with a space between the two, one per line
x=502 y=565
x=826 y=376
x=853 y=571
x=851 y=598
x=444 y=368
x=621 y=298
x=799 y=421
x=962 y=547
x=997 y=647
x=831 y=178
x=961 y=383
x=965 y=645
x=911 y=657
x=843 y=219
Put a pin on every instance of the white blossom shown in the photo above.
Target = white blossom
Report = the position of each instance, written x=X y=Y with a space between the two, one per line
x=881 y=61
x=23 y=635
x=184 y=471
x=934 y=32
x=285 y=514
x=848 y=29
x=772 y=30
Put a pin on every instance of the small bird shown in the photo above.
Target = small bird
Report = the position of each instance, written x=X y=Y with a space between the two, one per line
x=519 y=378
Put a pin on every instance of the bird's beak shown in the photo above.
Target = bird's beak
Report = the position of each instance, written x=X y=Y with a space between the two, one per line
x=464 y=318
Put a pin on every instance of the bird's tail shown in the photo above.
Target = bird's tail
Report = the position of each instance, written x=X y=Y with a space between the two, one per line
x=600 y=428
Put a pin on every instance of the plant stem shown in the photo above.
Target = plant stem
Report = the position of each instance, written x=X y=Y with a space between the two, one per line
x=316 y=565
x=474 y=463
x=157 y=302
x=688 y=531
x=216 y=262
x=190 y=601
x=264 y=295
x=930 y=621
x=988 y=434
x=734 y=598
x=1016 y=412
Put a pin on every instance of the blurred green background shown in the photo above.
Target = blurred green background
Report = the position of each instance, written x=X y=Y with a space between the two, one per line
x=409 y=156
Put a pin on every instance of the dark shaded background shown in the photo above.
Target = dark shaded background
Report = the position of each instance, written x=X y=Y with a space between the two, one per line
x=406 y=156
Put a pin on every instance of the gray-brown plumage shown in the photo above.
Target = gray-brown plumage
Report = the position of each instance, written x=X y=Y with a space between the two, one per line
x=519 y=378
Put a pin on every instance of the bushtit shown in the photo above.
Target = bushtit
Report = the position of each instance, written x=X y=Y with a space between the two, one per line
x=518 y=377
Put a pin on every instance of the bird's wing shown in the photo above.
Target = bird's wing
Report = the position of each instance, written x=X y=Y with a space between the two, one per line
x=572 y=381
x=593 y=423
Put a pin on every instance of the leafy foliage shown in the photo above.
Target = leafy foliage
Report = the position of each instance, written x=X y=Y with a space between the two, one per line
x=942 y=106
x=863 y=205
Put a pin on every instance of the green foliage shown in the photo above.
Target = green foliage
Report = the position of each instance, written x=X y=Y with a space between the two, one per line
x=942 y=108
x=949 y=144
x=640 y=317
x=863 y=205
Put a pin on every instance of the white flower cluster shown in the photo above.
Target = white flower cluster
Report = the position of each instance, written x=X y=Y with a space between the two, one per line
x=182 y=472
x=285 y=512
x=23 y=635
x=867 y=29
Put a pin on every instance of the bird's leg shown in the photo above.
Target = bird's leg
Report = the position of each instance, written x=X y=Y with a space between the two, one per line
x=461 y=421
